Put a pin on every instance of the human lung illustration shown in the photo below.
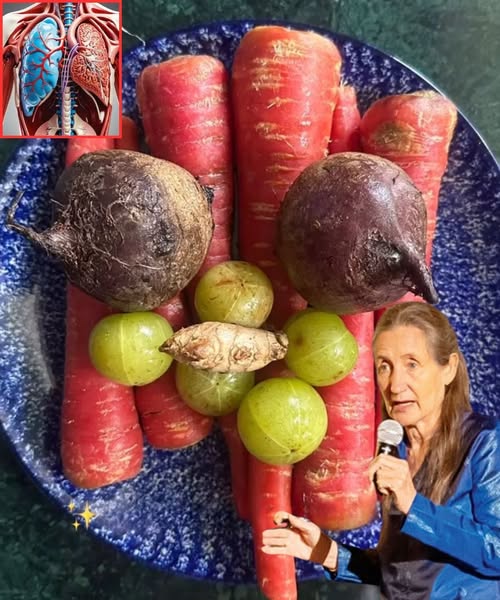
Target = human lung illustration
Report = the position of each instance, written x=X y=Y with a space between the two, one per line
x=40 y=60
x=61 y=60
x=90 y=68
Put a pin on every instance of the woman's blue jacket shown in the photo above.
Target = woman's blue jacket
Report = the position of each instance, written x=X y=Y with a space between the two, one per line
x=443 y=552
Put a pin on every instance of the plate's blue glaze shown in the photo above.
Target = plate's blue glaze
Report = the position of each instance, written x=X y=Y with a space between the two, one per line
x=177 y=514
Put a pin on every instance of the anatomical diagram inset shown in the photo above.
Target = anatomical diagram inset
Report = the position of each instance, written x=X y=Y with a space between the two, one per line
x=61 y=70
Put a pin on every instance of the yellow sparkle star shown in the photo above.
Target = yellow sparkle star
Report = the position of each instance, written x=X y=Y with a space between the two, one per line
x=71 y=506
x=75 y=524
x=87 y=515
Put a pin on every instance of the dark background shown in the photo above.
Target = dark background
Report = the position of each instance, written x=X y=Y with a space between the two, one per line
x=455 y=43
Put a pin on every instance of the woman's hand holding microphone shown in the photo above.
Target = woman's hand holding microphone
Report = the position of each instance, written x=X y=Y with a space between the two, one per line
x=392 y=476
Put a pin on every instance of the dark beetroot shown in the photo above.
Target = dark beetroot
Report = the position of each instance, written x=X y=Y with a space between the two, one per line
x=134 y=229
x=351 y=234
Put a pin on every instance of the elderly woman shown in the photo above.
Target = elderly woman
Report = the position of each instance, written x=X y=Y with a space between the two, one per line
x=440 y=535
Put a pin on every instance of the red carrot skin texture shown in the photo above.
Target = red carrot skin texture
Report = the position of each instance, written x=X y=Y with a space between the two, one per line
x=270 y=487
x=130 y=136
x=167 y=421
x=415 y=132
x=184 y=103
x=238 y=459
x=284 y=87
x=331 y=486
x=101 y=439
x=270 y=491
x=345 y=135
x=78 y=146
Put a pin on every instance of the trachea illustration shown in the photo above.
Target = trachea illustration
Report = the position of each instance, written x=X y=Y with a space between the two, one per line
x=61 y=60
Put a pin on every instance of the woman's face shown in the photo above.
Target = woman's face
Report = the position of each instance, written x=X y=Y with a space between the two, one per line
x=412 y=383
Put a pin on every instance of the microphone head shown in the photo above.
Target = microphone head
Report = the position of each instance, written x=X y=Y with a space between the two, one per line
x=390 y=432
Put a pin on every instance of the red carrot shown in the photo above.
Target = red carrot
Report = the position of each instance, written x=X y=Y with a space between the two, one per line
x=238 y=460
x=167 y=421
x=346 y=119
x=414 y=131
x=78 y=146
x=270 y=493
x=191 y=127
x=101 y=440
x=130 y=136
x=330 y=486
x=284 y=85
x=185 y=111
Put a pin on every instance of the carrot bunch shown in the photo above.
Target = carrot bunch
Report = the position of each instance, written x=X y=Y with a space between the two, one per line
x=281 y=109
x=101 y=436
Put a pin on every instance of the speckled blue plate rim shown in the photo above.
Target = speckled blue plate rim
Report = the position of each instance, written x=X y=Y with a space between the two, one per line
x=99 y=536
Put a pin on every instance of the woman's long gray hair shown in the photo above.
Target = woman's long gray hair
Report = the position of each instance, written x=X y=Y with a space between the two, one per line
x=441 y=462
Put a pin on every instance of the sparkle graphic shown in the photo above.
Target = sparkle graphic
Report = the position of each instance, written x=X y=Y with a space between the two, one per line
x=87 y=515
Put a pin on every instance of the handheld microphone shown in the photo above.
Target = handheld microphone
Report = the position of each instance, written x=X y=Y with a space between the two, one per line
x=389 y=436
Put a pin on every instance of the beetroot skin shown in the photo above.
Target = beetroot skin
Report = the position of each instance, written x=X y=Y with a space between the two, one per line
x=351 y=234
x=133 y=229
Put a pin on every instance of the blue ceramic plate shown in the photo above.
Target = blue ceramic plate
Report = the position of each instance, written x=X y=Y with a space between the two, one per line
x=177 y=514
